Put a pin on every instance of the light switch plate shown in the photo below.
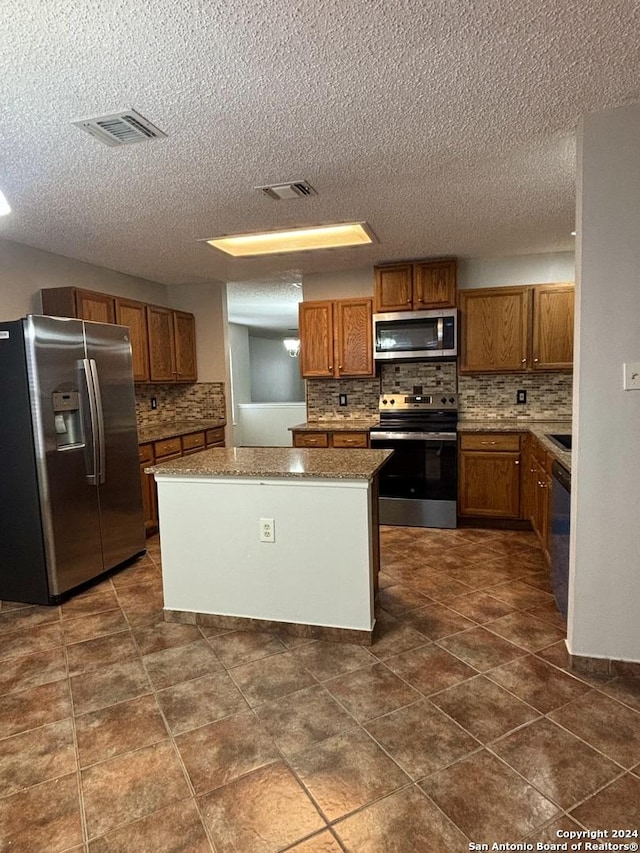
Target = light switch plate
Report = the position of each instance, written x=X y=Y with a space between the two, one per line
x=631 y=376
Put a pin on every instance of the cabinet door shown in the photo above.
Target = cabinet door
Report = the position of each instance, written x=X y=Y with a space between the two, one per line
x=184 y=328
x=434 y=284
x=354 y=337
x=315 y=321
x=162 y=359
x=494 y=325
x=393 y=288
x=489 y=484
x=553 y=313
x=99 y=307
x=149 y=504
x=134 y=315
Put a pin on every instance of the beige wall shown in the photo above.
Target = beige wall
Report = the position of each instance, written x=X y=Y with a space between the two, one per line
x=472 y=272
x=25 y=271
x=342 y=284
x=605 y=554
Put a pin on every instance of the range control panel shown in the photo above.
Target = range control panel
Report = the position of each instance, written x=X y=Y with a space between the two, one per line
x=418 y=402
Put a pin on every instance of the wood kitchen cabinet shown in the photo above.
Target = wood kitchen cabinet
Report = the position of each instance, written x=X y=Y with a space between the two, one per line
x=149 y=499
x=134 y=315
x=516 y=329
x=331 y=438
x=553 y=318
x=163 y=341
x=172 y=345
x=164 y=450
x=414 y=286
x=539 y=486
x=336 y=338
x=489 y=475
x=75 y=302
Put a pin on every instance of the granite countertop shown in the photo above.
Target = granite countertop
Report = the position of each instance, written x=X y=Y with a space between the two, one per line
x=337 y=425
x=277 y=462
x=540 y=429
x=169 y=429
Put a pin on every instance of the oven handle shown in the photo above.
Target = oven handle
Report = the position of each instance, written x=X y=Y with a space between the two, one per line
x=413 y=436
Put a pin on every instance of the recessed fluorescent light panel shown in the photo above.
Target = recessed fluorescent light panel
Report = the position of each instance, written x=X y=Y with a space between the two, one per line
x=4 y=205
x=294 y=240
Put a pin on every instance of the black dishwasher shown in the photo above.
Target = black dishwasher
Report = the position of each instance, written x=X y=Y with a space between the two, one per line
x=560 y=526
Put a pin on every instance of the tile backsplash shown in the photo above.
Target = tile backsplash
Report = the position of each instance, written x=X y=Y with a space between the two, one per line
x=488 y=396
x=481 y=396
x=323 y=398
x=198 y=402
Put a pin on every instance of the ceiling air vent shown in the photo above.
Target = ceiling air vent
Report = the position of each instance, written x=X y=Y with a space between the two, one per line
x=123 y=128
x=292 y=189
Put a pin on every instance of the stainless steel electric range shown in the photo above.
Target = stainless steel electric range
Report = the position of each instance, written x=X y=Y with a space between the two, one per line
x=418 y=484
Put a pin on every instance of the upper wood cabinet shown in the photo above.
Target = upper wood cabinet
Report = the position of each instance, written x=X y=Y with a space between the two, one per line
x=417 y=285
x=184 y=332
x=494 y=323
x=172 y=345
x=163 y=341
x=553 y=317
x=83 y=304
x=336 y=338
x=134 y=315
x=516 y=329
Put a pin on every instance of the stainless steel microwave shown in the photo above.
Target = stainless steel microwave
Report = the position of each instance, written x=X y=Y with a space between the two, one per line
x=415 y=335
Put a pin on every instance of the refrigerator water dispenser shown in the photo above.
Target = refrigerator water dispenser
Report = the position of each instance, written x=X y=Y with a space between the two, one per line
x=66 y=419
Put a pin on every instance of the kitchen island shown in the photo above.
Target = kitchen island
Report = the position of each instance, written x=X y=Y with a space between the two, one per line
x=272 y=538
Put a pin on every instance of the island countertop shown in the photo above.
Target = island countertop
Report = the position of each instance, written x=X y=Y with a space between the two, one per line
x=277 y=463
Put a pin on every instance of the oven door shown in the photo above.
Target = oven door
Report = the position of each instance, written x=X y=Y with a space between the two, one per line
x=418 y=484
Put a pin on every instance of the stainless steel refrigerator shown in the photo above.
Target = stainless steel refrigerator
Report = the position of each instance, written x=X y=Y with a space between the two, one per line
x=70 y=492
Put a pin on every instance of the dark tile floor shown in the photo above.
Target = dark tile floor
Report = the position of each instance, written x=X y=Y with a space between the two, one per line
x=120 y=732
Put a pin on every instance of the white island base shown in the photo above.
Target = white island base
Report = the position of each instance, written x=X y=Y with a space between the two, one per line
x=317 y=578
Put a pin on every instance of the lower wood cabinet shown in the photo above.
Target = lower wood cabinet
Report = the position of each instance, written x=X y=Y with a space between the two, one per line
x=489 y=475
x=164 y=450
x=506 y=475
x=331 y=438
x=539 y=488
x=147 y=482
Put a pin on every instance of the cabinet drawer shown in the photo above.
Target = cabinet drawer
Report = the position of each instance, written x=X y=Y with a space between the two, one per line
x=311 y=439
x=350 y=439
x=490 y=441
x=145 y=454
x=214 y=436
x=193 y=441
x=167 y=447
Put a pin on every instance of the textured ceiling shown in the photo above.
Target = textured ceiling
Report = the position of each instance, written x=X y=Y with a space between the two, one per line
x=448 y=126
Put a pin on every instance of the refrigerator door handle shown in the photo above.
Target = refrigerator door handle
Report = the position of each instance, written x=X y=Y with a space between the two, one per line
x=92 y=475
x=99 y=420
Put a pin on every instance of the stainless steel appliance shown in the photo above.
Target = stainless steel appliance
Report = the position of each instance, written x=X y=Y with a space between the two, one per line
x=70 y=500
x=415 y=335
x=418 y=484
x=560 y=528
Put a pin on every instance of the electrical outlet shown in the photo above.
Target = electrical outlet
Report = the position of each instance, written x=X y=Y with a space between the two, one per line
x=154 y=403
x=342 y=399
x=521 y=396
x=267 y=530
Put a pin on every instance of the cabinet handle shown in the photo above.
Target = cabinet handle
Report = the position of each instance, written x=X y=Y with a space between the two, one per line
x=524 y=361
x=517 y=462
x=339 y=367
x=536 y=360
x=408 y=302
x=488 y=442
x=419 y=300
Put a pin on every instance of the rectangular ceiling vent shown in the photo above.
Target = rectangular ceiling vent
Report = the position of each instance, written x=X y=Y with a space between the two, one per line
x=292 y=189
x=123 y=128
